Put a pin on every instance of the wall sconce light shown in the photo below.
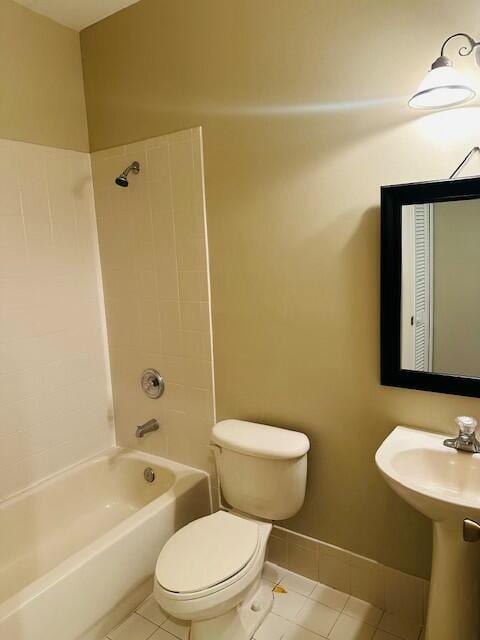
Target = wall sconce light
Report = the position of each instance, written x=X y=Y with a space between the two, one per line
x=443 y=86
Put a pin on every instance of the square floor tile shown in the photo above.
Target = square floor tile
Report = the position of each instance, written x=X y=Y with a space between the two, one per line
x=272 y=628
x=287 y=604
x=294 y=632
x=363 y=611
x=293 y=582
x=151 y=611
x=133 y=628
x=272 y=572
x=317 y=617
x=178 y=628
x=329 y=597
x=399 y=626
x=347 y=628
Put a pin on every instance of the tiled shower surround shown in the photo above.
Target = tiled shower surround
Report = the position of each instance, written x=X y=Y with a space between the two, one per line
x=155 y=270
x=55 y=394
x=55 y=404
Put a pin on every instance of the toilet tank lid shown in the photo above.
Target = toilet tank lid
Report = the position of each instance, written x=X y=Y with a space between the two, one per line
x=260 y=440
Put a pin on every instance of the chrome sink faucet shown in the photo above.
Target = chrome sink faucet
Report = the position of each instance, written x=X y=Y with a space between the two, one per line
x=466 y=439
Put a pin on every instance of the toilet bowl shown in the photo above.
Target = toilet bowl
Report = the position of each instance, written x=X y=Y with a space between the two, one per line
x=233 y=552
x=210 y=571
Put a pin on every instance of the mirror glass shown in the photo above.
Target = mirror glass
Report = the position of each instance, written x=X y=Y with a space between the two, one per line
x=440 y=297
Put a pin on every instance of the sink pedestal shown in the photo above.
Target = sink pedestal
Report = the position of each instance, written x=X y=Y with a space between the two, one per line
x=454 y=598
x=443 y=484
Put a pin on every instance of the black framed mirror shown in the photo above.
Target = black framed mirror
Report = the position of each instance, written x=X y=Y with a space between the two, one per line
x=430 y=286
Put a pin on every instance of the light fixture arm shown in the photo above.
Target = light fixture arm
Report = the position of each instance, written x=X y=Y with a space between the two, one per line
x=463 y=51
x=444 y=86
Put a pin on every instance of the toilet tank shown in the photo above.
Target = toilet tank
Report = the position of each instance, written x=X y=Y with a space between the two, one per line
x=262 y=470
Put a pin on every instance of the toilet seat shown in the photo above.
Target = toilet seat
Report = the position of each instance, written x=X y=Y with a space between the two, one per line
x=207 y=555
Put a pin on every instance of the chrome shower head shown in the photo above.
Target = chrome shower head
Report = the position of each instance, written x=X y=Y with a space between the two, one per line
x=121 y=181
x=122 y=178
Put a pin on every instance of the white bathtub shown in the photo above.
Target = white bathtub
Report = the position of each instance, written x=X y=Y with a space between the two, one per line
x=78 y=551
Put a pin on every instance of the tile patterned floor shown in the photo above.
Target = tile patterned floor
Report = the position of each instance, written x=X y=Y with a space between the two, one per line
x=302 y=610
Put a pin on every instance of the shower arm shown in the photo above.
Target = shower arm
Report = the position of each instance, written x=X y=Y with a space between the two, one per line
x=134 y=168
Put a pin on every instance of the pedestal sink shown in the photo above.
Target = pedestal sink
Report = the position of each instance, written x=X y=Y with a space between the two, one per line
x=444 y=485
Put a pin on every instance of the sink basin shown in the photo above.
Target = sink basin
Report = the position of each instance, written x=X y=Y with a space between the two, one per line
x=444 y=485
x=438 y=481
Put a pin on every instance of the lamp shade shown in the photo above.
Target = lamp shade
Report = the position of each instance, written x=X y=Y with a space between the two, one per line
x=442 y=87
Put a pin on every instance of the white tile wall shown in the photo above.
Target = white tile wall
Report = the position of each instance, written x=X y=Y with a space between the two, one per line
x=55 y=404
x=154 y=260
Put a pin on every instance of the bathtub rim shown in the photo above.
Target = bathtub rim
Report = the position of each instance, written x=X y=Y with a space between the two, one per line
x=110 y=452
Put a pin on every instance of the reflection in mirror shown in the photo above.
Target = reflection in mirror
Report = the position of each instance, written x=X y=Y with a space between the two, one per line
x=440 y=299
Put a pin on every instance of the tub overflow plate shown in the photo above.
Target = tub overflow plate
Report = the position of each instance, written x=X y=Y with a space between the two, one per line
x=149 y=474
x=152 y=383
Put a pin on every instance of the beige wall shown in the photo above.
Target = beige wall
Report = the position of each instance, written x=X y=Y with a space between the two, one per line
x=55 y=405
x=41 y=83
x=154 y=264
x=303 y=107
x=456 y=301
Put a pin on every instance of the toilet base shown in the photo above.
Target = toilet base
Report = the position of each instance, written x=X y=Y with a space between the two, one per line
x=241 y=622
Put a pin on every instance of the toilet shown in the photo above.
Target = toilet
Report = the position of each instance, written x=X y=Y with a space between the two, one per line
x=209 y=572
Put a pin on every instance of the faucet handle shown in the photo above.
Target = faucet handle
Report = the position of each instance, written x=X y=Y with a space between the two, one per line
x=466 y=425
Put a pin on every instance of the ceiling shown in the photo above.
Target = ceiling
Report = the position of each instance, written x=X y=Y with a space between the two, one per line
x=76 y=14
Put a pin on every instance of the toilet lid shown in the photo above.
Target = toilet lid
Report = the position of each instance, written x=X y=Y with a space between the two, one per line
x=206 y=552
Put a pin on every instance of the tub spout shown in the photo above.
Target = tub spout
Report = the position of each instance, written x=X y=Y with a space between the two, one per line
x=148 y=427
